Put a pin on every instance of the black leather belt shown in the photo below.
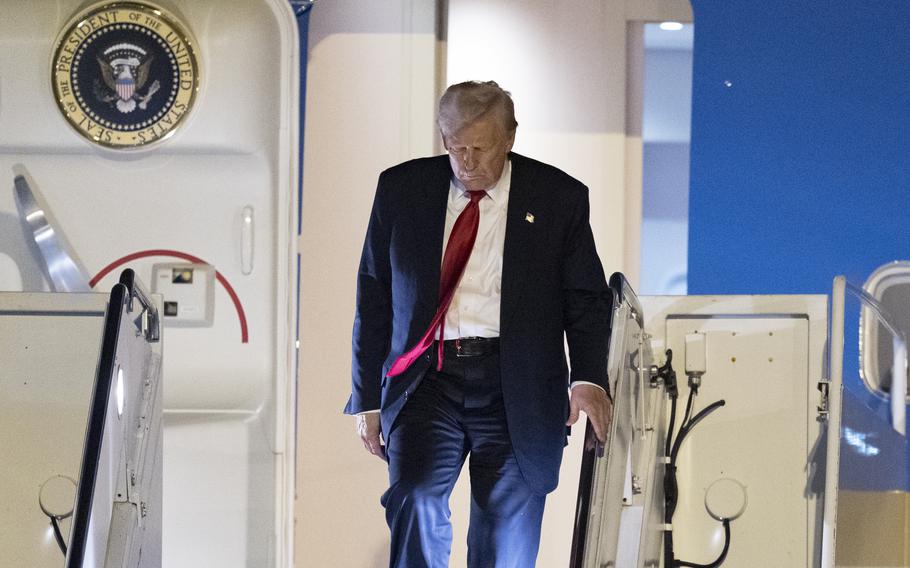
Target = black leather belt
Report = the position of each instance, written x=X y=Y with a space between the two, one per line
x=472 y=346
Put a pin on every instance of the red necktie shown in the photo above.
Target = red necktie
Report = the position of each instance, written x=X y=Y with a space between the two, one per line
x=458 y=250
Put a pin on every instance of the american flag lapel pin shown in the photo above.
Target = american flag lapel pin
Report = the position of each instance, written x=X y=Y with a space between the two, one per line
x=529 y=217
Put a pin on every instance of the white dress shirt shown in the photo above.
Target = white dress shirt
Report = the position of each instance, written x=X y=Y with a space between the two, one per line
x=474 y=311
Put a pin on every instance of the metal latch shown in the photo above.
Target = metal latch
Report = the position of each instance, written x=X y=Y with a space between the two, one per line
x=822 y=407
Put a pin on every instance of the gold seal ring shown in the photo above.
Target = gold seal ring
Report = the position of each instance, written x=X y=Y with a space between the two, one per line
x=125 y=74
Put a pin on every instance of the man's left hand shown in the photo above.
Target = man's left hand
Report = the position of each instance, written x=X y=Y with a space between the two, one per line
x=594 y=402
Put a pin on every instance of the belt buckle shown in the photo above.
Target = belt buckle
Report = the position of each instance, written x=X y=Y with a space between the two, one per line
x=471 y=347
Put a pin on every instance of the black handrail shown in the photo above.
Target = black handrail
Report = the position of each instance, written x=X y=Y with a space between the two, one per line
x=583 y=503
x=94 y=433
x=620 y=284
x=591 y=452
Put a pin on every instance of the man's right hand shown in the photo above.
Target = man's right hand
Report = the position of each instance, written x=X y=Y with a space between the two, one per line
x=368 y=427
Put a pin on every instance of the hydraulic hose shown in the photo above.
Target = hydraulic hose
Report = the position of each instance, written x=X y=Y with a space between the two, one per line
x=687 y=427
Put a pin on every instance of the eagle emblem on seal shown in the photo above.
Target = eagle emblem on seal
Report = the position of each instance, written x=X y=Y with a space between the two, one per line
x=125 y=71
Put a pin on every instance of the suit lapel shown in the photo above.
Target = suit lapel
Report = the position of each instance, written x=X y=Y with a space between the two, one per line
x=430 y=219
x=517 y=255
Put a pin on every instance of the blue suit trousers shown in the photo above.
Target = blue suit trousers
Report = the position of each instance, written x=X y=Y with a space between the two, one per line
x=456 y=413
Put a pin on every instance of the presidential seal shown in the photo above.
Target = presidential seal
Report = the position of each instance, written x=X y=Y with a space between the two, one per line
x=125 y=74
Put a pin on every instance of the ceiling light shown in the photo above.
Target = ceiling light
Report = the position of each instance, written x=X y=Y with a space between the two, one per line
x=671 y=26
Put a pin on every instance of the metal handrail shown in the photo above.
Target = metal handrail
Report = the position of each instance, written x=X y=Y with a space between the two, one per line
x=899 y=359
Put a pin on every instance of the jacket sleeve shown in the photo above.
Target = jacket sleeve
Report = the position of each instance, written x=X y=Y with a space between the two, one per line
x=373 y=312
x=586 y=299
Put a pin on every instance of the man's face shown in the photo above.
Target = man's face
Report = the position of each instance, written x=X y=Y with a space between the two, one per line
x=478 y=152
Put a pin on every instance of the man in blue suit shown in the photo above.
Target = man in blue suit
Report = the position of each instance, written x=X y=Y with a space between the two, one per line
x=497 y=387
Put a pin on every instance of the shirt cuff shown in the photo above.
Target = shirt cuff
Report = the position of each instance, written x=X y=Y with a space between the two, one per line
x=367 y=412
x=576 y=383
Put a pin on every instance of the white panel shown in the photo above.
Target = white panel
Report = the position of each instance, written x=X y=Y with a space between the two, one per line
x=174 y=204
x=218 y=501
x=49 y=346
x=188 y=293
x=764 y=356
x=759 y=365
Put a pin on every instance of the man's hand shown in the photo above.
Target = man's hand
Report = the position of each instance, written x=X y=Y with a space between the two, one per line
x=368 y=428
x=594 y=402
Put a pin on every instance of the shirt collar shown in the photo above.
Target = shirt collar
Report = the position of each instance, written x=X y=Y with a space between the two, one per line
x=499 y=190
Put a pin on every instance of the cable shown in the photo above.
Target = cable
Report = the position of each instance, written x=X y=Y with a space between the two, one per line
x=687 y=427
x=667 y=373
x=671 y=451
x=669 y=444
x=671 y=489
x=688 y=414
x=723 y=553
x=58 y=535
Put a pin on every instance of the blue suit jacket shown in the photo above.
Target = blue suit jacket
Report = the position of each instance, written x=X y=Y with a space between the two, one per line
x=553 y=288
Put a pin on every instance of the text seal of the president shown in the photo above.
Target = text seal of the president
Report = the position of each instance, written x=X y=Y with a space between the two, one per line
x=125 y=74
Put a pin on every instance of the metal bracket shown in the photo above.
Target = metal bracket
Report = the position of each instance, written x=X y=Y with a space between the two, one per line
x=147 y=321
x=656 y=380
x=823 y=386
x=636 y=485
